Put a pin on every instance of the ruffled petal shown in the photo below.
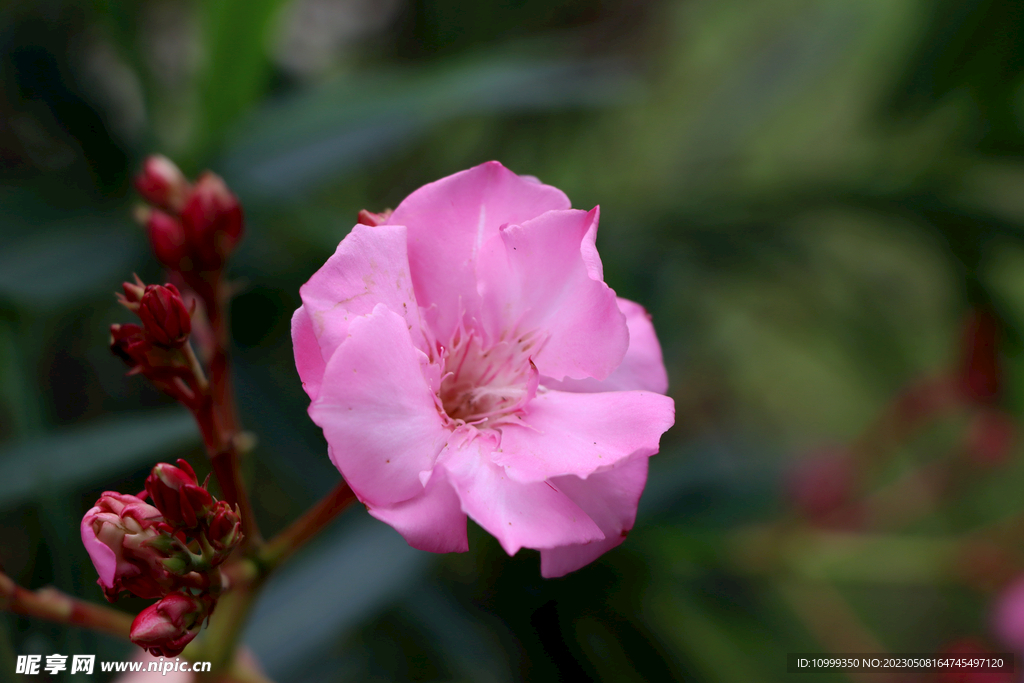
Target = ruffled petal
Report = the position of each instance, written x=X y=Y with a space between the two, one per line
x=377 y=410
x=541 y=280
x=370 y=267
x=449 y=220
x=578 y=434
x=642 y=367
x=530 y=515
x=610 y=499
x=308 y=360
x=432 y=521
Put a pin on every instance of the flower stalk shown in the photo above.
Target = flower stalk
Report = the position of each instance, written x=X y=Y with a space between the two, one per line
x=282 y=546
x=53 y=605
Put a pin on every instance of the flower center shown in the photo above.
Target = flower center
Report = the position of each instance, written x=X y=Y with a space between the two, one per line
x=483 y=385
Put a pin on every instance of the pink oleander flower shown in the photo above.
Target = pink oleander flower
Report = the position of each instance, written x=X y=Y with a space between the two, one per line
x=465 y=357
x=116 y=533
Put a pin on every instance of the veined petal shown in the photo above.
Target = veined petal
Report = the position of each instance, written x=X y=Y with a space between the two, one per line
x=378 y=411
x=541 y=281
x=519 y=515
x=432 y=521
x=610 y=499
x=308 y=359
x=370 y=267
x=449 y=221
x=642 y=367
x=564 y=433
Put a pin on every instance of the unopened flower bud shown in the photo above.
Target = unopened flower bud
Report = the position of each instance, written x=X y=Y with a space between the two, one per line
x=133 y=292
x=165 y=316
x=373 y=219
x=166 y=627
x=225 y=529
x=129 y=343
x=212 y=219
x=823 y=483
x=176 y=492
x=990 y=437
x=162 y=184
x=981 y=373
x=115 y=533
x=167 y=239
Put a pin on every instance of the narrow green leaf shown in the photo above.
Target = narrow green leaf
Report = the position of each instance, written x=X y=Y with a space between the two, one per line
x=59 y=266
x=77 y=457
x=235 y=67
x=703 y=639
x=292 y=145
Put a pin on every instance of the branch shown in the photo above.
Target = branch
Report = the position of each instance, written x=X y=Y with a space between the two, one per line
x=218 y=415
x=301 y=530
x=52 y=605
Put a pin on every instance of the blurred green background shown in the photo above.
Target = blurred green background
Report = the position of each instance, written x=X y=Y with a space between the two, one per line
x=809 y=196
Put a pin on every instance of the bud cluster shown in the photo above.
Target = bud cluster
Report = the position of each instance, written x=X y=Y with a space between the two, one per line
x=169 y=549
x=158 y=348
x=192 y=227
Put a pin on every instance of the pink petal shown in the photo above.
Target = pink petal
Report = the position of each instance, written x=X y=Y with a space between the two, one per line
x=531 y=515
x=1008 y=614
x=377 y=410
x=308 y=360
x=432 y=521
x=610 y=498
x=450 y=219
x=642 y=367
x=103 y=558
x=541 y=281
x=578 y=434
x=370 y=267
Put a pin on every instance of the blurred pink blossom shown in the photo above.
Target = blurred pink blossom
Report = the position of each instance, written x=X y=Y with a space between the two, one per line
x=1008 y=615
x=465 y=357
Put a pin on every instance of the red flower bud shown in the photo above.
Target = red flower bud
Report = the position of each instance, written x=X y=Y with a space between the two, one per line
x=166 y=627
x=161 y=183
x=374 y=219
x=225 y=530
x=133 y=292
x=167 y=239
x=212 y=219
x=822 y=484
x=167 y=320
x=990 y=437
x=176 y=492
x=130 y=344
x=981 y=374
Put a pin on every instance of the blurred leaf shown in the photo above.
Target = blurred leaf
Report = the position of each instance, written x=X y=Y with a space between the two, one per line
x=294 y=144
x=83 y=455
x=704 y=638
x=354 y=570
x=61 y=266
x=235 y=68
x=468 y=642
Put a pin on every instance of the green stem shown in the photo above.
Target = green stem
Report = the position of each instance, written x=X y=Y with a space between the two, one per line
x=220 y=640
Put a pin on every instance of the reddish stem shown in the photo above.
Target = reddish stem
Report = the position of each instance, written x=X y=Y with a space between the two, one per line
x=218 y=416
x=308 y=525
x=52 y=605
